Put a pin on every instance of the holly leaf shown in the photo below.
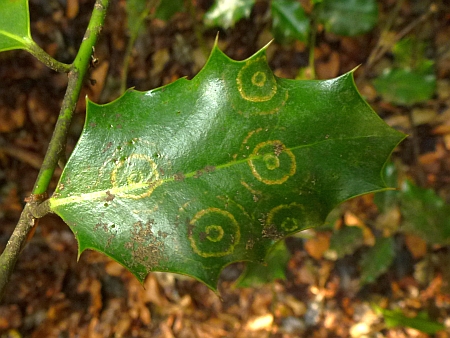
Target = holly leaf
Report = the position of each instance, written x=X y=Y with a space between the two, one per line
x=225 y=13
x=377 y=260
x=425 y=214
x=290 y=21
x=345 y=241
x=14 y=25
x=201 y=173
x=389 y=199
x=405 y=86
x=348 y=17
x=257 y=274
x=422 y=322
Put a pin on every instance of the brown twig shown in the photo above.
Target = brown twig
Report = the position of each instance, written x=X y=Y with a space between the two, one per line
x=23 y=155
x=383 y=47
x=15 y=244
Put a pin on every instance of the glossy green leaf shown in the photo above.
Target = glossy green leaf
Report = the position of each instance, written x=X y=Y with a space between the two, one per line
x=198 y=174
x=348 y=17
x=404 y=86
x=257 y=274
x=425 y=214
x=289 y=21
x=422 y=322
x=225 y=13
x=14 y=25
x=377 y=260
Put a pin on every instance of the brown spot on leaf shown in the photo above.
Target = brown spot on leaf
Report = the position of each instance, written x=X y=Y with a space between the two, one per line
x=190 y=226
x=162 y=234
x=202 y=236
x=146 y=249
x=109 y=240
x=109 y=196
x=278 y=148
x=249 y=245
x=271 y=231
x=108 y=145
x=179 y=176
x=102 y=226
x=210 y=168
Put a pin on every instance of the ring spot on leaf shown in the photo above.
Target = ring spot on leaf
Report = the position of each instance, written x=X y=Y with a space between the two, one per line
x=259 y=79
x=213 y=232
x=259 y=89
x=272 y=163
x=175 y=228
x=138 y=173
x=262 y=86
x=285 y=217
x=278 y=103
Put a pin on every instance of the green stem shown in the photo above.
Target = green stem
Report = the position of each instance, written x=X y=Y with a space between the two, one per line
x=34 y=208
x=76 y=78
x=46 y=59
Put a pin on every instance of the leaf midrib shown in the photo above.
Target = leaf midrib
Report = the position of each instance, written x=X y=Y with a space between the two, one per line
x=23 y=40
x=126 y=189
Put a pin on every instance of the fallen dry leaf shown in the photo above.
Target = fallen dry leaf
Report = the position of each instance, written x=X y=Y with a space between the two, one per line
x=416 y=245
x=317 y=246
x=351 y=219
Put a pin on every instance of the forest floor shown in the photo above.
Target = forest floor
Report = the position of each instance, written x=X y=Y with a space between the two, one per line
x=51 y=294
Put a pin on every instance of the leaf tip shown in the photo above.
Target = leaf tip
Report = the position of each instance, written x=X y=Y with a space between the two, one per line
x=355 y=69
x=80 y=250
x=216 y=40
x=267 y=45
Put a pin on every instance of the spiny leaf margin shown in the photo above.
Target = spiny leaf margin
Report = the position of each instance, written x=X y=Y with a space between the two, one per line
x=255 y=163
